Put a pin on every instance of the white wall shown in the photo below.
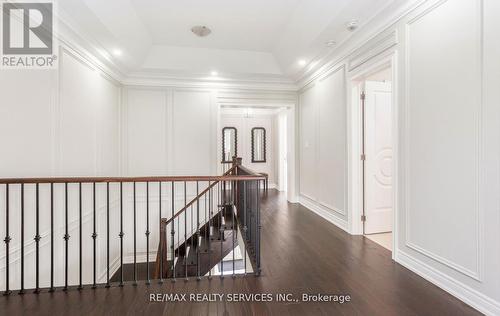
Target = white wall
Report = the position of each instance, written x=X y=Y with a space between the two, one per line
x=166 y=131
x=57 y=123
x=244 y=127
x=174 y=128
x=449 y=176
x=447 y=123
x=323 y=151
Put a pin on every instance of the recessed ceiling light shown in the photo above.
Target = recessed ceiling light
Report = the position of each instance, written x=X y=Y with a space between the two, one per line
x=214 y=73
x=117 y=52
x=302 y=62
x=330 y=43
x=201 y=30
x=352 y=25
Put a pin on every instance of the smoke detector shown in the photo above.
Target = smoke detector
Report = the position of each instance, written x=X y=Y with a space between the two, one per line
x=201 y=30
x=352 y=25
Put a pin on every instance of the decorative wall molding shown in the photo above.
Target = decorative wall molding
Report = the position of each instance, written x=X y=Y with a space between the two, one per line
x=371 y=50
x=325 y=213
x=78 y=41
x=366 y=37
x=477 y=274
x=229 y=81
x=29 y=244
x=470 y=296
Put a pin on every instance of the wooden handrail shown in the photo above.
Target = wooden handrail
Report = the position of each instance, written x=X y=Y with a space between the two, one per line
x=252 y=176
x=129 y=179
x=225 y=176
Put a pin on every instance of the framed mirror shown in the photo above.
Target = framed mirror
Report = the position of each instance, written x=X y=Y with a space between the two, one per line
x=229 y=143
x=258 y=144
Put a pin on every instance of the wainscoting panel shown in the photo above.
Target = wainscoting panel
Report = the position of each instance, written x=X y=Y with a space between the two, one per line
x=443 y=134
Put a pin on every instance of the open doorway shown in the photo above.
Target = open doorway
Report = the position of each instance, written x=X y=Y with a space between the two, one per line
x=235 y=137
x=282 y=152
x=377 y=156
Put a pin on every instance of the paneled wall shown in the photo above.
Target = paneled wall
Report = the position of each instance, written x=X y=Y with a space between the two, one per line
x=166 y=131
x=442 y=134
x=447 y=132
x=450 y=144
x=323 y=152
x=58 y=123
x=169 y=132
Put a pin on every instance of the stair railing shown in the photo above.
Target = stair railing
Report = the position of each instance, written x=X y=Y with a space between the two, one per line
x=82 y=232
x=236 y=198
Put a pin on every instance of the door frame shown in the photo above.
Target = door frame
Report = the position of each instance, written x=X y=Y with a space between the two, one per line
x=355 y=141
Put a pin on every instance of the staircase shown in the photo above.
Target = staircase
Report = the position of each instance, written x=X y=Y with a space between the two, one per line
x=221 y=243
x=204 y=250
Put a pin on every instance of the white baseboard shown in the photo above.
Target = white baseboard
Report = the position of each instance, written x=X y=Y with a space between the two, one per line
x=470 y=296
x=324 y=212
x=113 y=268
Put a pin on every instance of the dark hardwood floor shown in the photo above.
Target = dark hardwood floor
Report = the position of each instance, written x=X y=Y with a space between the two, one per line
x=301 y=253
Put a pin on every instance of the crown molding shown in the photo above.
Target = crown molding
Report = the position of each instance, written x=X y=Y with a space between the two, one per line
x=353 y=46
x=70 y=35
x=172 y=78
x=75 y=38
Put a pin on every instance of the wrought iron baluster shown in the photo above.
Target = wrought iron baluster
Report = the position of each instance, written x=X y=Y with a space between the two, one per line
x=173 y=232
x=94 y=235
x=198 y=243
x=210 y=210
x=121 y=234
x=80 y=286
x=258 y=229
x=185 y=233
x=107 y=234
x=21 y=291
x=191 y=231
x=245 y=223
x=206 y=218
x=148 y=281
x=37 y=239
x=160 y=233
x=7 y=241
x=221 y=228
x=135 y=236
x=178 y=237
x=51 y=289
x=233 y=229
x=66 y=237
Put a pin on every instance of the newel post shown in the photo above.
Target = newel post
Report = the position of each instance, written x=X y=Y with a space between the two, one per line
x=237 y=161
x=236 y=184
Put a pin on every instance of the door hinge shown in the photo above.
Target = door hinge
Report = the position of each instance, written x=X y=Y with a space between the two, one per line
x=363 y=95
x=363 y=218
x=363 y=157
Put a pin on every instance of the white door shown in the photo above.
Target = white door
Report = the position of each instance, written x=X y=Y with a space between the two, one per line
x=378 y=163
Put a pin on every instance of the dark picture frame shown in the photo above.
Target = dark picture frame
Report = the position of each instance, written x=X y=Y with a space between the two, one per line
x=225 y=158
x=259 y=154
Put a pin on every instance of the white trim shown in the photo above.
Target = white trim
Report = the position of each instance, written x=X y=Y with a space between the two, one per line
x=231 y=81
x=375 y=63
x=460 y=290
x=476 y=275
x=29 y=244
x=365 y=37
x=113 y=268
x=324 y=212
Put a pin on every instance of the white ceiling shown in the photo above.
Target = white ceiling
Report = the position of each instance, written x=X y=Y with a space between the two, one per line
x=253 y=25
x=252 y=37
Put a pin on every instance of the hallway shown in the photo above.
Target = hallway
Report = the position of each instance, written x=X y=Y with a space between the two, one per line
x=301 y=253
